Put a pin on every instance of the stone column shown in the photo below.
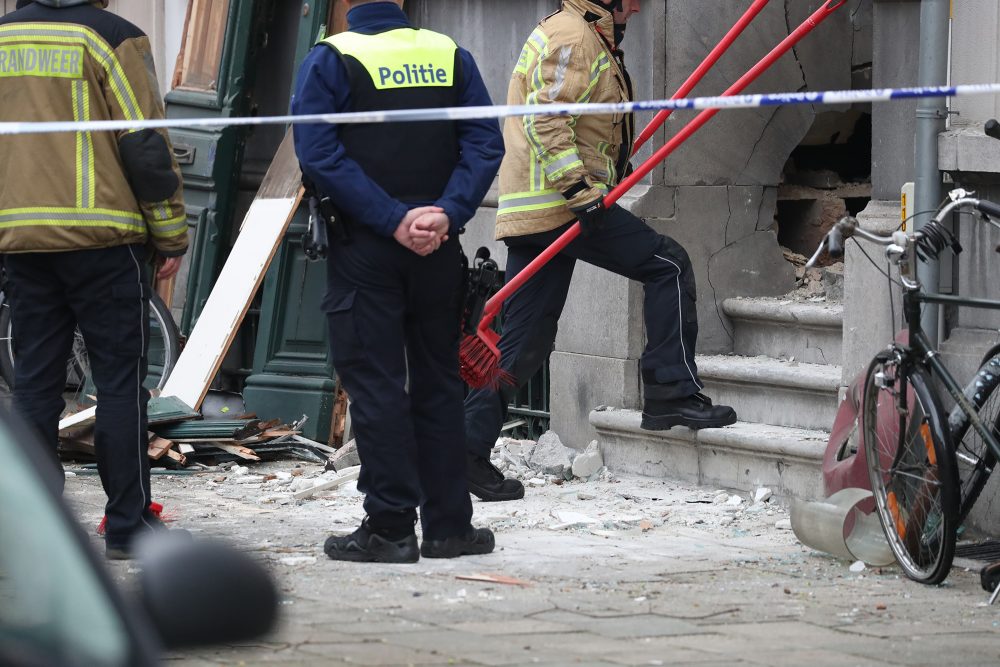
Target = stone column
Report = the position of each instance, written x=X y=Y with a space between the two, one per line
x=867 y=323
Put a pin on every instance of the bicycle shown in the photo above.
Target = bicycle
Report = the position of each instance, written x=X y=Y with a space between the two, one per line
x=164 y=348
x=926 y=468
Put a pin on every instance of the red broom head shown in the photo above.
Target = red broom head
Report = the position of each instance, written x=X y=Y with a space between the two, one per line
x=479 y=359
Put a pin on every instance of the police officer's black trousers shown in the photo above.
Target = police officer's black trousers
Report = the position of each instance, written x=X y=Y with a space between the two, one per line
x=627 y=246
x=394 y=321
x=106 y=293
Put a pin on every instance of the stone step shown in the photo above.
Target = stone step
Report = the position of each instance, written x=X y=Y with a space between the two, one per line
x=743 y=456
x=784 y=328
x=765 y=390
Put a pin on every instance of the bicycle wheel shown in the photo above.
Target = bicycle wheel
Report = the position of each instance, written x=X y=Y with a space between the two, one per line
x=164 y=348
x=6 y=345
x=164 y=343
x=911 y=469
x=975 y=460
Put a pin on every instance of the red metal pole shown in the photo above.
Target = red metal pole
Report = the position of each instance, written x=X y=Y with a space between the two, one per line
x=493 y=305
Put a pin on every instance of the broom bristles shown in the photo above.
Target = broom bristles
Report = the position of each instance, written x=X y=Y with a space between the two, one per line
x=479 y=360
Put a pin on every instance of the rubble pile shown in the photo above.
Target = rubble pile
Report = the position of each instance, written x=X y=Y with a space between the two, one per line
x=547 y=461
x=816 y=284
x=567 y=490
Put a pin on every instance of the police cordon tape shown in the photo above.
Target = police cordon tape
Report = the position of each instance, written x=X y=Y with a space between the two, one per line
x=500 y=111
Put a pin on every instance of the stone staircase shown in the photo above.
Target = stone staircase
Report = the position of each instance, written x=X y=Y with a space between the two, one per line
x=783 y=380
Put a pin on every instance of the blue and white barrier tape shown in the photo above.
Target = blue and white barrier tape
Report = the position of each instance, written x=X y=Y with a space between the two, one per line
x=471 y=113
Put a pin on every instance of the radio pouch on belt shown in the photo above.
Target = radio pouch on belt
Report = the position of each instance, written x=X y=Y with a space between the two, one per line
x=483 y=275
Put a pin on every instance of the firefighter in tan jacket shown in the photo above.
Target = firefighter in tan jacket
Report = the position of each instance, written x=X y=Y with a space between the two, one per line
x=557 y=169
x=77 y=210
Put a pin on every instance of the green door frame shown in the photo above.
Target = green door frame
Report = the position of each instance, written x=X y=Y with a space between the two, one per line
x=207 y=156
x=292 y=374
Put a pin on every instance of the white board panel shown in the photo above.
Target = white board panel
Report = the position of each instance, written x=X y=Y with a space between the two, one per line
x=263 y=228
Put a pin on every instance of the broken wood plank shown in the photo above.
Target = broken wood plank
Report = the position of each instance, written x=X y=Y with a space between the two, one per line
x=158 y=447
x=343 y=477
x=494 y=579
x=338 y=420
x=238 y=450
x=176 y=457
x=260 y=236
x=162 y=409
x=82 y=418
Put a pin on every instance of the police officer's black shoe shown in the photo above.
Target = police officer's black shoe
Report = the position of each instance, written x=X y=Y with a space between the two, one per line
x=695 y=412
x=366 y=545
x=475 y=542
x=487 y=483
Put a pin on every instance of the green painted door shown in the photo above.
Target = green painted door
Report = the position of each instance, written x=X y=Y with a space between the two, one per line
x=213 y=79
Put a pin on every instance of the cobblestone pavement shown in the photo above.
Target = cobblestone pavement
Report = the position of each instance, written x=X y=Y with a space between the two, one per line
x=625 y=571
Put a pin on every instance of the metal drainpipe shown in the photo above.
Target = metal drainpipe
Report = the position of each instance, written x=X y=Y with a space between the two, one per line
x=932 y=115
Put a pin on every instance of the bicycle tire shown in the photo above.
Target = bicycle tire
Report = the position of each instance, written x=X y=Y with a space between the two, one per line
x=974 y=459
x=163 y=350
x=911 y=467
x=163 y=331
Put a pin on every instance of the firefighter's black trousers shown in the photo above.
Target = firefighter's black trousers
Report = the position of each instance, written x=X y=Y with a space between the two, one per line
x=394 y=320
x=106 y=293
x=627 y=246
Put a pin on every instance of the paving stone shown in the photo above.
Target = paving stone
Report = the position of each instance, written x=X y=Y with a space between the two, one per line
x=373 y=653
x=966 y=649
x=622 y=627
x=657 y=651
x=813 y=658
x=585 y=643
x=527 y=626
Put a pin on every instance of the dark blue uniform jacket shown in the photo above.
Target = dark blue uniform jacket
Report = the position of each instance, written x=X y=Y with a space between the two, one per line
x=323 y=87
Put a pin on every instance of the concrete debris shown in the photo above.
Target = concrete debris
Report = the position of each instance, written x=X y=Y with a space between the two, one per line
x=858 y=566
x=588 y=463
x=551 y=457
x=346 y=456
x=548 y=461
x=569 y=519
x=297 y=560
x=762 y=495
x=601 y=504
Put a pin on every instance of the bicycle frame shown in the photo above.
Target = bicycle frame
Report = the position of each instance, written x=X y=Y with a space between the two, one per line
x=924 y=353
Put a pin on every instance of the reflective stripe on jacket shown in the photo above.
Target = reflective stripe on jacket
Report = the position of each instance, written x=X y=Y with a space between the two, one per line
x=69 y=191
x=566 y=59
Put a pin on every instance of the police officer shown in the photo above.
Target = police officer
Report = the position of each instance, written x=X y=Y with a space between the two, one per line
x=394 y=290
x=558 y=169
x=76 y=210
